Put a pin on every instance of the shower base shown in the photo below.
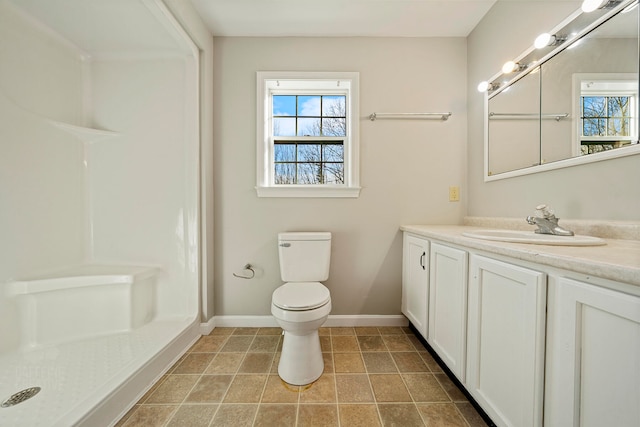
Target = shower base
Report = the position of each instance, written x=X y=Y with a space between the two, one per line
x=92 y=381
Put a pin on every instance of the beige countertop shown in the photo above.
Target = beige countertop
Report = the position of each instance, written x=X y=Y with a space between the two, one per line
x=618 y=260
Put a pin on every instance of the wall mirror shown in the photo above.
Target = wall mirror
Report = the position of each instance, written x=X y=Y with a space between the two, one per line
x=572 y=100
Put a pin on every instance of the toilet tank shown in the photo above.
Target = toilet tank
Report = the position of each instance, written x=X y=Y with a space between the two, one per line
x=304 y=256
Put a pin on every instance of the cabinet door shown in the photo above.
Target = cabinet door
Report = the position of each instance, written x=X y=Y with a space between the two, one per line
x=593 y=356
x=505 y=341
x=415 y=281
x=448 y=306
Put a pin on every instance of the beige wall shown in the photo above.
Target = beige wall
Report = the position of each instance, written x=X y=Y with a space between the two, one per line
x=602 y=190
x=406 y=166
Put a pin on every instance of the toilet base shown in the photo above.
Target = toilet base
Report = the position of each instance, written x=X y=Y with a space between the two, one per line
x=301 y=360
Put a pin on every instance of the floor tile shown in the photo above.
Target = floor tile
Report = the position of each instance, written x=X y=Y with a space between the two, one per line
x=270 y=331
x=256 y=363
x=245 y=331
x=264 y=344
x=470 y=414
x=278 y=391
x=371 y=343
x=344 y=343
x=323 y=390
x=318 y=416
x=222 y=331
x=150 y=415
x=194 y=363
x=359 y=416
x=327 y=358
x=325 y=343
x=373 y=376
x=237 y=344
x=348 y=363
x=209 y=343
x=270 y=415
x=353 y=388
x=210 y=389
x=379 y=362
x=343 y=331
x=430 y=361
x=441 y=415
x=424 y=388
x=398 y=343
x=390 y=330
x=405 y=415
x=246 y=389
x=450 y=388
x=193 y=416
x=235 y=415
x=389 y=388
x=225 y=363
x=173 y=389
x=409 y=362
x=367 y=330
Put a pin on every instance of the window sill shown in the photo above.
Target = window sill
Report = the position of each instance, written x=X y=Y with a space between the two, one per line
x=308 y=191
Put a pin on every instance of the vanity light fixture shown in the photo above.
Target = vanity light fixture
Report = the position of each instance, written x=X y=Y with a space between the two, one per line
x=546 y=39
x=485 y=86
x=591 y=5
x=512 y=67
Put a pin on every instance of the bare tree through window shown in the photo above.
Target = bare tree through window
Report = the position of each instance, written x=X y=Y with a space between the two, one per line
x=309 y=132
x=604 y=116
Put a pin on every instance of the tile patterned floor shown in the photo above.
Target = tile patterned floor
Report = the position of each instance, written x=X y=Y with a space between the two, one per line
x=373 y=377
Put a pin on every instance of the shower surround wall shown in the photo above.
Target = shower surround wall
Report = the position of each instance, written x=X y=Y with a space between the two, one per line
x=98 y=166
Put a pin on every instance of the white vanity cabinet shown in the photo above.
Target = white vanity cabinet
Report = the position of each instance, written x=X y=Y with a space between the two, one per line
x=505 y=340
x=593 y=356
x=415 y=281
x=448 y=306
x=538 y=335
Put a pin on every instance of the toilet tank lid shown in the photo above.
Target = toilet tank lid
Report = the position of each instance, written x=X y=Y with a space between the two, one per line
x=305 y=235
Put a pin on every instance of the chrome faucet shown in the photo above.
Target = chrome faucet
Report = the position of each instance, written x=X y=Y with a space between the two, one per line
x=547 y=222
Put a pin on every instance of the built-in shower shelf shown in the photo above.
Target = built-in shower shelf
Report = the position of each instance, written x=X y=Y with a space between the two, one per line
x=85 y=134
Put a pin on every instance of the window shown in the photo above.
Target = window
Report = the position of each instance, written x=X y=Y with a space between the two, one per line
x=607 y=114
x=307 y=142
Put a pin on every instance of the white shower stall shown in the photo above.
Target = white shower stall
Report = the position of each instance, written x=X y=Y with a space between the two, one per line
x=99 y=205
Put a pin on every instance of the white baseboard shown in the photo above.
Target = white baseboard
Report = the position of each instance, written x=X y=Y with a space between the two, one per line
x=206 y=328
x=333 y=321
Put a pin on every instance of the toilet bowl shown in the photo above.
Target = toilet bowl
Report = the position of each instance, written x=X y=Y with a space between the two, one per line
x=302 y=305
x=301 y=358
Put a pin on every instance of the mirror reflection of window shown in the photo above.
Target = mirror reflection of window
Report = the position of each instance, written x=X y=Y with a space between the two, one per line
x=607 y=114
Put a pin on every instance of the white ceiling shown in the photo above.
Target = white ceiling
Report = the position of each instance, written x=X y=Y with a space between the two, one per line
x=334 y=18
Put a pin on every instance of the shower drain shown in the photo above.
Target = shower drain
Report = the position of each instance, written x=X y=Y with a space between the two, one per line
x=20 y=397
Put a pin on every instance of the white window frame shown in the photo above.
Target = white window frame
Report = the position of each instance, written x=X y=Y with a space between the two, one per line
x=292 y=82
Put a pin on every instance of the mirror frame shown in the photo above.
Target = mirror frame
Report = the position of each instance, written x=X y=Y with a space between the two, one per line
x=526 y=57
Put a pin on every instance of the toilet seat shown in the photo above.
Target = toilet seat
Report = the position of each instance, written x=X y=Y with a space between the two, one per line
x=301 y=296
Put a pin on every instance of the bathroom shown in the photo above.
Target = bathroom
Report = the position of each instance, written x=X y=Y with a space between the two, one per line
x=406 y=169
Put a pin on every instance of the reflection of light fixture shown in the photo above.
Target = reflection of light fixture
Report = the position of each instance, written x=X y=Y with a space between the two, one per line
x=591 y=5
x=546 y=39
x=487 y=87
x=575 y=44
x=512 y=67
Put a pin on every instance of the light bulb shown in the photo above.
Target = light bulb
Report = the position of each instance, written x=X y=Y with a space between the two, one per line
x=509 y=67
x=591 y=5
x=544 y=40
x=483 y=86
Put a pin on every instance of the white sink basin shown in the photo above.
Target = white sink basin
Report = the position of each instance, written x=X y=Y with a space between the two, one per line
x=516 y=236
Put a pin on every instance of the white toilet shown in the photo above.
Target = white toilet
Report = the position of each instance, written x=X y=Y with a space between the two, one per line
x=302 y=305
